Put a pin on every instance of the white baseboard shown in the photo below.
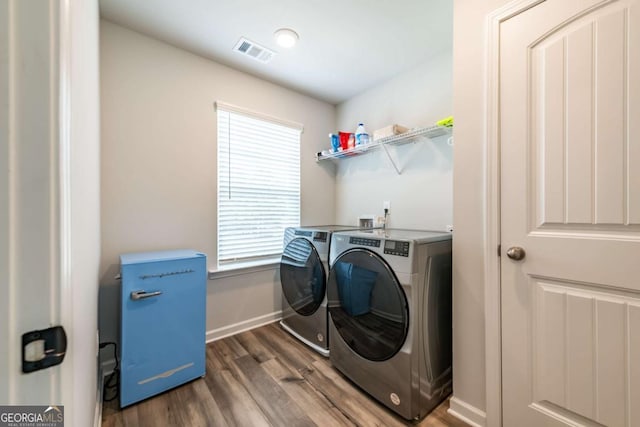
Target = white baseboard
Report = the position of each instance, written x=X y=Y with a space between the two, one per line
x=245 y=325
x=467 y=413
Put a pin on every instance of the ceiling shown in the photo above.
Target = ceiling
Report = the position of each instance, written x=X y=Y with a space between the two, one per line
x=345 y=47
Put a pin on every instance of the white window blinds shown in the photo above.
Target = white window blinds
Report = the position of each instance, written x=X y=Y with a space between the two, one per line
x=258 y=185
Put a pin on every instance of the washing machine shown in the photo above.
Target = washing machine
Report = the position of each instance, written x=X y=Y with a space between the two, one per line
x=389 y=300
x=303 y=275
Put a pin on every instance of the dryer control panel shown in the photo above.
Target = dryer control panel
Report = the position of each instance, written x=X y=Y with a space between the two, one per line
x=374 y=243
x=320 y=236
x=394 y=247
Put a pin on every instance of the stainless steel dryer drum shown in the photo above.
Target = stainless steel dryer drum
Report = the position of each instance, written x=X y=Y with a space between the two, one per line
x=303 y=275
x=389 y=299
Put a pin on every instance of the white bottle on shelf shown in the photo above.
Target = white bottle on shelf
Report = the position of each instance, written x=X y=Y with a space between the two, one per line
x=362 y=137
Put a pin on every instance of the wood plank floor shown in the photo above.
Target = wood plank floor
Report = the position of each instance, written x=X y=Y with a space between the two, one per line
x=265 y=377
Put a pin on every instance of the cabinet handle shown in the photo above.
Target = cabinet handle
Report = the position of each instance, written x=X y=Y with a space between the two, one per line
x=138 y=295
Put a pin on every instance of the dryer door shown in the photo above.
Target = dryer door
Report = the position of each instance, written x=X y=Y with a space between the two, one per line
x=367 y=304
x=302 y=276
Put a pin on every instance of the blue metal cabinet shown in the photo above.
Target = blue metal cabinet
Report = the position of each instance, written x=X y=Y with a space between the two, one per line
x=163 y=322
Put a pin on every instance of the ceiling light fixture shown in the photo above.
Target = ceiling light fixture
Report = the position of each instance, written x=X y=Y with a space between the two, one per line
x=286 y=37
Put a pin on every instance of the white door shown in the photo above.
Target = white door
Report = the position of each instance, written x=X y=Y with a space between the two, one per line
x=570 y=197
x=49 y=199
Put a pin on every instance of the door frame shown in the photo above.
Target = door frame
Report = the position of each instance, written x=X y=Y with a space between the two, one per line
x=492 y=280
x=70 y=139
x=54 y=138
x=64 y=141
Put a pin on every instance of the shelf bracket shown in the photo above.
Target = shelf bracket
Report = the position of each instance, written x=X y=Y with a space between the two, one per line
x=386 y=150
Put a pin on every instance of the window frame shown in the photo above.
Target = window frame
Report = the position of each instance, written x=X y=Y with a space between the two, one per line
x=264 y=259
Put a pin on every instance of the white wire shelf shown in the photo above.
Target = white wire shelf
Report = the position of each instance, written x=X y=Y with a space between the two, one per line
x=403 y=138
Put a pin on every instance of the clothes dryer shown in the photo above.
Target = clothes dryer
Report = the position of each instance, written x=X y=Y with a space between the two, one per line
x=303 y=275
x=389 y=299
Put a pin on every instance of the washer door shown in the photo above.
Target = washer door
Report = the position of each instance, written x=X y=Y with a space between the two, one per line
x=367 y=304
x=302 y=276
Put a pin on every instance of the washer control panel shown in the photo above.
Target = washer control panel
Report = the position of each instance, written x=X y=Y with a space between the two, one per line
x=320 y=236
x=360 y=241
x=394 y=247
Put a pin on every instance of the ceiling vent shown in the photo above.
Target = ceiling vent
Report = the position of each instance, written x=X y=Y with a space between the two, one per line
x=253 y=50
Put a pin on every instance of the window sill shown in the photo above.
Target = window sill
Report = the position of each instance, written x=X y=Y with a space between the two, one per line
x=240 y=269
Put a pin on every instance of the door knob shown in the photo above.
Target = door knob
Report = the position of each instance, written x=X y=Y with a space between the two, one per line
x=516 y=252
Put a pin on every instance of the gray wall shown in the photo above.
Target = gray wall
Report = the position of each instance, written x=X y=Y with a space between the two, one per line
x=159 y=166
x=421 y=196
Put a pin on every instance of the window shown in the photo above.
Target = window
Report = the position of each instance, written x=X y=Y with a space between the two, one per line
x=258 y=184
